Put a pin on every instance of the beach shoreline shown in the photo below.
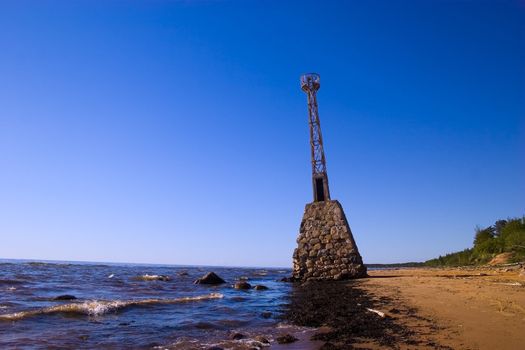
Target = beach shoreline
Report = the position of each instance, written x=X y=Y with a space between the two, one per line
x=424 y=308
x=403 y=308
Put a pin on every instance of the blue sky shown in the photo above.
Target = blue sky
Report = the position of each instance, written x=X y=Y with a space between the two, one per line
x=176 y=131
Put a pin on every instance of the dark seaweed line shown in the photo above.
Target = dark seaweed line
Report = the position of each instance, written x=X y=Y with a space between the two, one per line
x=342 y=306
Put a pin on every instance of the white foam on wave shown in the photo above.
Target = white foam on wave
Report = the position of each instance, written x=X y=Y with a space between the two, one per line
x=101 y=307
x=150 y=277
x=147 y=277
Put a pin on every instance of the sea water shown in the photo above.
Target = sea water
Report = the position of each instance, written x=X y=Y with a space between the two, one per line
x=127 y=306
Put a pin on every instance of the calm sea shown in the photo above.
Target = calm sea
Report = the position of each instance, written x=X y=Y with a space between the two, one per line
x=115 y=307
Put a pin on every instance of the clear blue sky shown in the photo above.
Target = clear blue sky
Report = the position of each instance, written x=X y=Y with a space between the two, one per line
x=176 y=131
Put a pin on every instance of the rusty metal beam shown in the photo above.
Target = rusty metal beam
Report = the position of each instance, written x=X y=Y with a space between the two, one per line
x=310 y=83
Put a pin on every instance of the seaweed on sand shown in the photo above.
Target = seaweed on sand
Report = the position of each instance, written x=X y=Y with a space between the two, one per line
x=343 y=308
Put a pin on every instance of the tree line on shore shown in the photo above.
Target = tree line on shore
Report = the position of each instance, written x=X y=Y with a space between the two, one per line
x=505 y=236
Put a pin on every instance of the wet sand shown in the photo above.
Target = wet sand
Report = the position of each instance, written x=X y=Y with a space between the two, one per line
x=477 y=308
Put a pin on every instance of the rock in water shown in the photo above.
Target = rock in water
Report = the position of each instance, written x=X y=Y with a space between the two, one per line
x=260 y=287
x=287 y=279
x=242 y=285
x=209 y=278
x=262 y=339
x=65 y=297
x=286 y=339
x=236 y=336
x=326 y=249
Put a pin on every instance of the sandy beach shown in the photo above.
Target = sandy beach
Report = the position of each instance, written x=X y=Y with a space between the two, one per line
x=459 y=308
x=467 y=308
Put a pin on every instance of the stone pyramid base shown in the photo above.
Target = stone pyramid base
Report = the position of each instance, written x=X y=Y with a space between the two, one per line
x=326 y=248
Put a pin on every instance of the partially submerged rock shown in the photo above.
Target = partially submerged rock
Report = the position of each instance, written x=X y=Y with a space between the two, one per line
x=287 y=279
x=286 y=339
x=262 y=339
x=209 y=278
x=236 y=336
x=65 y=297
x=242 y=285
x=260 y=287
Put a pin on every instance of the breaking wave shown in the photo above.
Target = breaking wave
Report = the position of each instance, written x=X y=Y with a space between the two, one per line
x=147 y=277
x=101 y=307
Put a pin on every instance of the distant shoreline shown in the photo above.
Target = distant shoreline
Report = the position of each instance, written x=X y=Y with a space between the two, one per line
x=82 y=262
x=407 y=264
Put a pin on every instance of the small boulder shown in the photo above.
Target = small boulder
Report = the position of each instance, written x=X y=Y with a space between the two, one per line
x=260 y=287
x=163 y=278
x=242 y=285
x=286 y=339
x=262 y=339
x=183 y=273
x=65 y=297
x=287 y=279
x=236 y=336
x=209 y=278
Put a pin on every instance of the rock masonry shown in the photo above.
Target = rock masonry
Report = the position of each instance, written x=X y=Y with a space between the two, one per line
x=326 y=249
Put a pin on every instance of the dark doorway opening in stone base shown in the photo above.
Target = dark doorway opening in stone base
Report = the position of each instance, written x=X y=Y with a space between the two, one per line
x=319 y=189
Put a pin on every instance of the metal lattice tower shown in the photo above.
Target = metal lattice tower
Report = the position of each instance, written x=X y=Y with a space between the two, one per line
x=310 y=83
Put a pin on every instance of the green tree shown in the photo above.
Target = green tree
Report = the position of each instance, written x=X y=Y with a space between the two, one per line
x=498 y=227
x=504 y=236
x=483 y=235
x=513 y=236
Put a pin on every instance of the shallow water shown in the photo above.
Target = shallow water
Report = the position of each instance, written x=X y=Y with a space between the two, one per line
x=115 y=308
